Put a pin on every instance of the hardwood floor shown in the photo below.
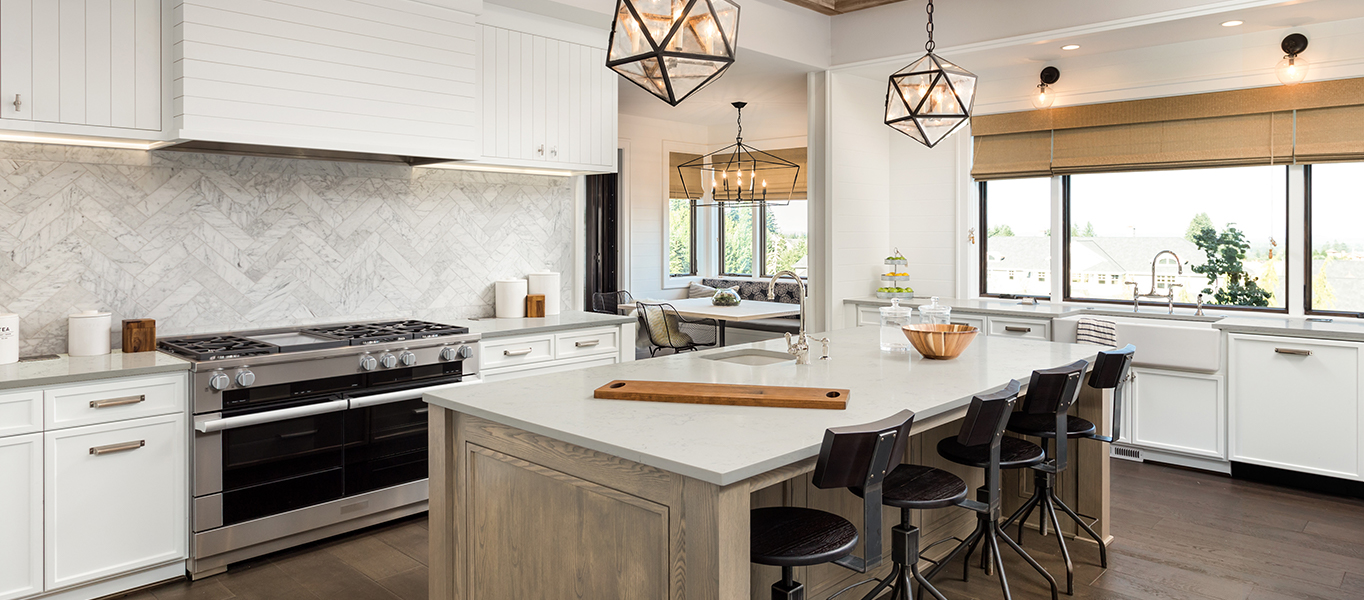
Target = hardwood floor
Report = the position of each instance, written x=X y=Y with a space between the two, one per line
x=1179 y=534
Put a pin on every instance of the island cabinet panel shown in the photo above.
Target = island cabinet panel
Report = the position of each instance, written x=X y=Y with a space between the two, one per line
x=564 y=532
x=1296 y=404
x=21 y=516
x=394 y=77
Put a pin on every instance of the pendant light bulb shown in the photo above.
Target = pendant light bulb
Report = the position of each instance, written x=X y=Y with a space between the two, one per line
x=1045 y=95
x=1292 y=70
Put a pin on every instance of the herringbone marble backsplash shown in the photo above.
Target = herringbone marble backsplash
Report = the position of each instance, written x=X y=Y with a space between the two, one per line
x=204 y=242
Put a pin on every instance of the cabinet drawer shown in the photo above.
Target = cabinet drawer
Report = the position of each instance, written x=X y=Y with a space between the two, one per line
x=1025 y=328
x=973 y=321
x=21 y=412
x=587 y=343
x=115 y=498
x=114 y=400
x=517 y=351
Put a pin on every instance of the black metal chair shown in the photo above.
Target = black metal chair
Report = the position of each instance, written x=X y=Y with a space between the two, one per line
x=668 y=329
x=1110 y=373
x=981 y=443
x=856 y=456
x=609 y=303
x=1051 y=393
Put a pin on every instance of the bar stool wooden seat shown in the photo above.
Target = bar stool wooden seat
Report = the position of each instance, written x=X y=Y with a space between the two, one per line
x=1110 y=372
x=982 y=434
x=856 y=456
x=1051 y=393
x=913 y=487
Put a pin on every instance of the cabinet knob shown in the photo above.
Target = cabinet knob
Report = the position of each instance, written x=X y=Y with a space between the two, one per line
x=554 y=151
x=541 y=150
x=17 y=103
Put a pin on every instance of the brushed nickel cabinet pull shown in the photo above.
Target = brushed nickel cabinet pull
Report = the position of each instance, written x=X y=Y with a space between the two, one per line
x=587 y=343
x=18 y=103
x=1012 y=329
x=1293 y=351
x=117 y=401
x=111 y=448
x=517 y=352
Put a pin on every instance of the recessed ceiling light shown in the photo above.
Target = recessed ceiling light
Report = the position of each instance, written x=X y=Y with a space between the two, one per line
x=1232 y=23
x=1070 y=47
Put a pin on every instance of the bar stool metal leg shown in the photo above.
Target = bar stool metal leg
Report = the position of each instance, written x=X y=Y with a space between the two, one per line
x=788 y=588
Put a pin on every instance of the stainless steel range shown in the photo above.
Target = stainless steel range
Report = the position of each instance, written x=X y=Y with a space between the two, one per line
x=304 y=433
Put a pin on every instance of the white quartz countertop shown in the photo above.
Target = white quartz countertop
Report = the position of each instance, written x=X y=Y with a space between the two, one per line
x=491 y=328
x=69 y=369
x=1043 y=308
x=727 y=444
x=1339 y=328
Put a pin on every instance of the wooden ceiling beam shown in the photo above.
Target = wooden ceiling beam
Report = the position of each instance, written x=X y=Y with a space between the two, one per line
x=838 y=7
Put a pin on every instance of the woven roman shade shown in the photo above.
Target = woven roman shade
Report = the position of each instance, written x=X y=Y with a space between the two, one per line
x=1322 y=121
x=693 y=187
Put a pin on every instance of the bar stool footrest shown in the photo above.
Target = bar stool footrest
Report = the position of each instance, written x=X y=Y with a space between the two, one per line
x=930 y=546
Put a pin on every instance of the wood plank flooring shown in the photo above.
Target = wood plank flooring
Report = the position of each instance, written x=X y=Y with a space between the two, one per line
x=1179 y=535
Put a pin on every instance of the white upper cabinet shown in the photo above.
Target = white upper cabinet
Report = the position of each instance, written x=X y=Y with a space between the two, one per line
x=92 y=64
x=393 y=77
x=547 y=98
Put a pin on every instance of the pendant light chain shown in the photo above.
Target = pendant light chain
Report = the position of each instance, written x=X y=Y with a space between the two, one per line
x=929 y=45
x=739 y=137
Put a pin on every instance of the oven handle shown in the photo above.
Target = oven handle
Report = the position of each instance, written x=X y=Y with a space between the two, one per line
x=404 y=395
x=215 y=425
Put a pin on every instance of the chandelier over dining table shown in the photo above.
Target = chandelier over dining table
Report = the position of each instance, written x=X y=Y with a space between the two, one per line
x=672 y=48
x=738 y=175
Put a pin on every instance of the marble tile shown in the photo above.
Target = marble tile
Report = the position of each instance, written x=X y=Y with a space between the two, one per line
x=206 y=242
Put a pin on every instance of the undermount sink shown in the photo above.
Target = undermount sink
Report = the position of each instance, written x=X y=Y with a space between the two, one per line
x=751 y=357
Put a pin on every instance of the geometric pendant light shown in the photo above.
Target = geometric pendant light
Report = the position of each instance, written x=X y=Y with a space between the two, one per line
x=672 y=48
x=931 y=98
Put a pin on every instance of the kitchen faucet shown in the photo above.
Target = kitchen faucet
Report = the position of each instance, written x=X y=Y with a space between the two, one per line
x=801 y=347
x=1169 y=294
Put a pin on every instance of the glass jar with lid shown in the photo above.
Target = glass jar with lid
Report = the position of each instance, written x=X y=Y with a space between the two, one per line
x=934 y=313
x=893 y=318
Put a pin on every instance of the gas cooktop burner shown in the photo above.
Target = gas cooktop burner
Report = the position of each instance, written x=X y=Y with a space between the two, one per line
x=216 y=347
x=425 y=329
x=360 y=334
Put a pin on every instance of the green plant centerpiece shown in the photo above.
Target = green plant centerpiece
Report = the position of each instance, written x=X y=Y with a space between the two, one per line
x=725 y=297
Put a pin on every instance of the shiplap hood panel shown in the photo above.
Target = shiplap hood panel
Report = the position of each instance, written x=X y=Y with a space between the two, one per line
x=372 y=80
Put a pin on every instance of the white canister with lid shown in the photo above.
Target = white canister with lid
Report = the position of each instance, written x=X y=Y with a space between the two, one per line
x=88 y=333
x=934 y=313
x=893 y=320
x=9 y=338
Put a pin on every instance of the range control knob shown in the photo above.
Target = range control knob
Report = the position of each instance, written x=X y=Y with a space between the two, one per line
x=388 y=361
x=449 y=353
x=465 y=352
x=408 y=359
x=368 y=363
x=219 y=381
x=245 y=377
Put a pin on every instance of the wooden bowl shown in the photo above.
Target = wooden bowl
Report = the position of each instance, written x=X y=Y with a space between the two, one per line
x=940 y=342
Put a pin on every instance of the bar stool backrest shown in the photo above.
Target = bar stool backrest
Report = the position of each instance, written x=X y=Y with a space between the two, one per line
x=1110 y=373
x=1054 y=390
x=860 y=456
x=988 y=415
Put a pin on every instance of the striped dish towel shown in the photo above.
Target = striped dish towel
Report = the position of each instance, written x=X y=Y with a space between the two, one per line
x=1096 y=331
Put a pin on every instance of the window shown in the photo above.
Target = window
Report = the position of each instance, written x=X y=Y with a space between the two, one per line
x=1335 y=211
x=681 y=237
x=786 y=238
x=736 y=241
x=1120 y=222
x=1015 y=216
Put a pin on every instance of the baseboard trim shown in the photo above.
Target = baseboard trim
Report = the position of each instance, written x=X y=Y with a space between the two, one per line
x=1310 y=482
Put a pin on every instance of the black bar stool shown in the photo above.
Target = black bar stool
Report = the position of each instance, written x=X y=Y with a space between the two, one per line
x=1110 y=372
x=856 y=456
x=913 y=487
x=1051 y=392
x=981 y=443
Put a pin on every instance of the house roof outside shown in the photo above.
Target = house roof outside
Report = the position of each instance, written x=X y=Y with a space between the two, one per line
x=1091 y=254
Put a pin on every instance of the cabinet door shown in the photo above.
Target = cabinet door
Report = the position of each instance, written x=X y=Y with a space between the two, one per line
x=116 y=496
x=1178 y=412
x=16 y=62
x=1295 y=404
x=21 y=516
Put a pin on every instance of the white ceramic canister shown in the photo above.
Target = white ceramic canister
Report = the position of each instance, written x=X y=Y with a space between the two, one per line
x=546 y=283
x=9 y=339
x=509 y=298
x=88 y=333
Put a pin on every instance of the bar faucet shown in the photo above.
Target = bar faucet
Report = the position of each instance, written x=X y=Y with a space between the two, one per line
x=1169 y=294
x=800 y=348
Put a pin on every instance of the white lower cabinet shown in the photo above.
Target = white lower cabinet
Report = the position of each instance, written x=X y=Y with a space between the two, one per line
x=1178 y=412
x=21 y=516
x=1297 y=404
x=521 y=356
x=115 y=498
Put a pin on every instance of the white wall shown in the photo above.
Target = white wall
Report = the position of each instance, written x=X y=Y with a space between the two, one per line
x=858 y=227
x=925 y=185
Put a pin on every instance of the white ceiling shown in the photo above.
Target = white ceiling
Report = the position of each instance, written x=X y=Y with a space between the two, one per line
x=774 y=89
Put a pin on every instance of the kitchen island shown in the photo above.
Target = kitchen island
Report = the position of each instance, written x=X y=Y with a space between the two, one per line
x=539 y=490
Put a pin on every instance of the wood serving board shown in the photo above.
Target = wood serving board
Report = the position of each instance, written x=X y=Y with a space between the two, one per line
x=725 y=394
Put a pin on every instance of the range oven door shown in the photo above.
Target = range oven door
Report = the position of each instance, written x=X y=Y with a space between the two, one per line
x=386 y=439
x=252 y=463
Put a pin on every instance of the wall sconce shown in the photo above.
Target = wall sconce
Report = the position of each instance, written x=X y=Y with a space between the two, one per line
x=1045 y=96
x=1293 y=68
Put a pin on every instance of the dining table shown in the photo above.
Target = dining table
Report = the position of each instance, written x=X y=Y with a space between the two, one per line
x=746 y=310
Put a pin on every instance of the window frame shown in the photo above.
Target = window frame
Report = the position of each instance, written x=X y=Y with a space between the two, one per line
x=691 y=241
x=1066 y=295
x=1307 y=254
x=762 y=238
x=984 y=258
x=759 y=242
x=720 y=243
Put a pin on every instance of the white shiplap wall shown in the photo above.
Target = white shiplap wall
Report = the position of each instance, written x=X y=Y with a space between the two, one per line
x=859 y=183
x=380 y=76
x=924 y=190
